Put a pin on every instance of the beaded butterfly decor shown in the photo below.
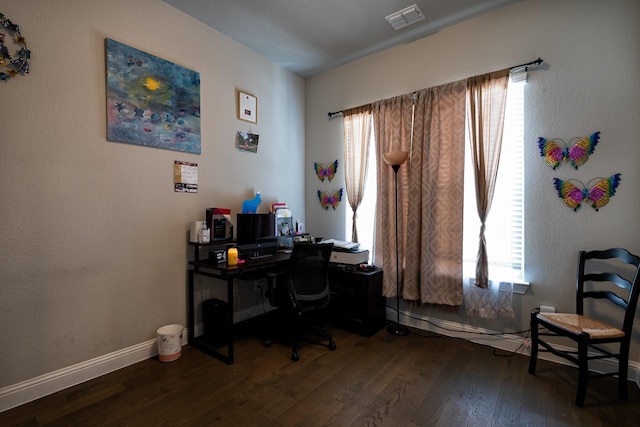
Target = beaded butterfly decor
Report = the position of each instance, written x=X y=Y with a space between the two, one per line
x=577 y=154
x=331 y=199
x=597 y=196
x=11 y=67
x=323 y=171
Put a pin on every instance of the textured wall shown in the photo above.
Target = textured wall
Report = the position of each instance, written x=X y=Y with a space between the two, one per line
x=589 y=82
x=93 y=254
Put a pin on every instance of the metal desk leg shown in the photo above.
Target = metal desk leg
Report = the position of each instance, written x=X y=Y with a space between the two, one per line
x=191 y=311
x=230 y=307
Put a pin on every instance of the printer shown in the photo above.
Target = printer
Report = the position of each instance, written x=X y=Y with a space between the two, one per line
x=347 y=254
x=351 y=257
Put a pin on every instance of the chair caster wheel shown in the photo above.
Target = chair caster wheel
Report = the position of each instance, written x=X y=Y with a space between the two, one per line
x=295 y=356
x=267 y=343
x=332 y=345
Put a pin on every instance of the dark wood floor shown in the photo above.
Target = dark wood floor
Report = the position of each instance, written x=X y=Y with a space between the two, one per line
x=418 y=380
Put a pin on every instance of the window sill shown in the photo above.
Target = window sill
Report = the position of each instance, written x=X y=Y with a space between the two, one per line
x=520 y=287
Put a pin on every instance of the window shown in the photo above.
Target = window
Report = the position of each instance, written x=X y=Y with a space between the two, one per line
x=505 y=225
x=367 y=209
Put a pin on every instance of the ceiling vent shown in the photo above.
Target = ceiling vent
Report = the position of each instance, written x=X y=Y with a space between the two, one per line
x=404 y=17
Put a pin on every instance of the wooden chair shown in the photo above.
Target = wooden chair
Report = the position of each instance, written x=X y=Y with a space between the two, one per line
x=601 y=276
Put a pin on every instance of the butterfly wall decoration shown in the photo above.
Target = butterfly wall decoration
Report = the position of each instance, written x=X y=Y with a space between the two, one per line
x=556 y=150
x=597 y=196
x=330 y=199
x=323 y=171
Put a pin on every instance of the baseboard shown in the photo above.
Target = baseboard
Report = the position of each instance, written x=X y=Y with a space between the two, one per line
x=501 y=341
x=43 y=385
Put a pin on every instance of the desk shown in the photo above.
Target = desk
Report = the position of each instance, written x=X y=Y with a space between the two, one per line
x=227 y=273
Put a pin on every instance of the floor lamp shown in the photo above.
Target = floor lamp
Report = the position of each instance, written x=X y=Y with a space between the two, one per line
x=395 y=159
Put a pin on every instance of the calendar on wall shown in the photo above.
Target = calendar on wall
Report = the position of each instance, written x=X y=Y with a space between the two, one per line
x=185 y=176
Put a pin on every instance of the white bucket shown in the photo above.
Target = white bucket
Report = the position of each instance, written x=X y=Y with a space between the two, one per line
x=169 y=342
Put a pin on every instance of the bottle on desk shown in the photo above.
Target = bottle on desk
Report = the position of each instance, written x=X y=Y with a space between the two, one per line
x=204 y=234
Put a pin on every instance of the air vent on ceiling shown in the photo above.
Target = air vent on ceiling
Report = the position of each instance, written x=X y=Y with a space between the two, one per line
x=404 y=17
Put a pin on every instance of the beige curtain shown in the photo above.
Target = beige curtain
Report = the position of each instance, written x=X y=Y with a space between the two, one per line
x=486 y=96
x=430 y=193
x=357 y=137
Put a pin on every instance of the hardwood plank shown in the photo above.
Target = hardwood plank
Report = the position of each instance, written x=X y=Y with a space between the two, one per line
x=418 y=380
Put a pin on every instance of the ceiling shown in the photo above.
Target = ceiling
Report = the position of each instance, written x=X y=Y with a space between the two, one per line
x=308 y=37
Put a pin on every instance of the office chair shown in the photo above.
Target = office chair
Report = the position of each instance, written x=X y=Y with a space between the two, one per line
x=601 y=277
x=302 y=293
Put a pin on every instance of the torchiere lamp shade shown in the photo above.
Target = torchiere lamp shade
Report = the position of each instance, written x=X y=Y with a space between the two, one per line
x=395 y=157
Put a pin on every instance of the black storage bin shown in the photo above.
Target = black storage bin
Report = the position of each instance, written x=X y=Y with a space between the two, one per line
x=214 y=318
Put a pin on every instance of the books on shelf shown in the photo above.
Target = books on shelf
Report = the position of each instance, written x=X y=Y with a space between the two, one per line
x=277 y=206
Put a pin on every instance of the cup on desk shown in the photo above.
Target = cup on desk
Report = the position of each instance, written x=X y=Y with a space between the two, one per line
x=232 y=256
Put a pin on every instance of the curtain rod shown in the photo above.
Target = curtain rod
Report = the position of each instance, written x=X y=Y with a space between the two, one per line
x=525 y=66
x=528 y=64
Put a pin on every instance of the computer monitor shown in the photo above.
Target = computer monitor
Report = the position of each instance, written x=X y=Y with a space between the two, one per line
x=256 y=235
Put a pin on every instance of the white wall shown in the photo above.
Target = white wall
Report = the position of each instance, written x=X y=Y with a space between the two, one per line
x=589 y=82
x=93 y=256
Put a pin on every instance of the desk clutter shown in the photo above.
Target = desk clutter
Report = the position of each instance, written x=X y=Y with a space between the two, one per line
x=256 y=234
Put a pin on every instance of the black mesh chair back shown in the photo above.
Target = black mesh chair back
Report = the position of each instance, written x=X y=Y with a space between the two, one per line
x=309 y=275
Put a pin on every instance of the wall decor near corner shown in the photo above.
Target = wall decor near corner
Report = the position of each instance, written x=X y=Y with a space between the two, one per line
x=556 y=150
x=16 y=61
x=151 y=101
x=597 y=195
x=247 y=141
x=323 y=171
x=330 y=199
x=247 y=107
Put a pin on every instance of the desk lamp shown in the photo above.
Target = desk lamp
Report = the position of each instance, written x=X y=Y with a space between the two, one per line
x=395 y=159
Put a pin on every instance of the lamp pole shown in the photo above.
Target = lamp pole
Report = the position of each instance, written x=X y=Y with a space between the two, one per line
x=396 y=159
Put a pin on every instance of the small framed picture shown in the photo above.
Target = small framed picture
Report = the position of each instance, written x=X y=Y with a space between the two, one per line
x=247 y=141
x=247 y=107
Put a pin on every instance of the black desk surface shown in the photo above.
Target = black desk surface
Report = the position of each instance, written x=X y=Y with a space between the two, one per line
x=248 y=265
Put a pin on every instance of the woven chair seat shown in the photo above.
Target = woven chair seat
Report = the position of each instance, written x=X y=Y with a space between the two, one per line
x=576 y=323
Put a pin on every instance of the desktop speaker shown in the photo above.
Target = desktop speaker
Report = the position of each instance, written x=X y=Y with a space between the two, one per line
x=214 y=318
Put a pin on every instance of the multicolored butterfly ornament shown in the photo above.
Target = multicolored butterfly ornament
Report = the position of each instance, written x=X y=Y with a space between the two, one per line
x=332 y=199
x=326 y=172
x=577 y=153
x=597 y=196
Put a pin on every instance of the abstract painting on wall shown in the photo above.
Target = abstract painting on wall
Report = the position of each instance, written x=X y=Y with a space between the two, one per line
x=151 y=101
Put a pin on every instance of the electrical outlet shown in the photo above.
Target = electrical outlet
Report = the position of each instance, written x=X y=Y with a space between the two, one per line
x=235 y=290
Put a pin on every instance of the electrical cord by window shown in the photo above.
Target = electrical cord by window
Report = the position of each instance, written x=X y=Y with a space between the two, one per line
x=495 y=350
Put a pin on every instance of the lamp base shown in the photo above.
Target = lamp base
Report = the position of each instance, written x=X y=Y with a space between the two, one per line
x=398 y=330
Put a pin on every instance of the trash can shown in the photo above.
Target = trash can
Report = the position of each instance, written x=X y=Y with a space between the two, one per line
x=169 y=342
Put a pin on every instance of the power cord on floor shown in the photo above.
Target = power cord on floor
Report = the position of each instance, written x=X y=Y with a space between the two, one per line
x=495 y=350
